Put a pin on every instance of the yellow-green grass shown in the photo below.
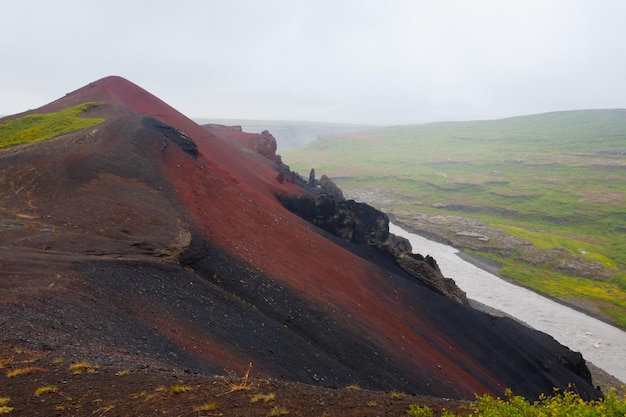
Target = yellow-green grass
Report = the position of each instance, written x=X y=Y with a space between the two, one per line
x=559 y=404
x=609 y=295
x=36 y=127
x=48 y=389
x=209 y=406
x=24 y=371
x=278 y=411
x=263 y=397
x=179 y=388
x=546 y=240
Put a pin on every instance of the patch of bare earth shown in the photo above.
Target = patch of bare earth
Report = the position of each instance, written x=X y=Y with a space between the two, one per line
x=54 y=385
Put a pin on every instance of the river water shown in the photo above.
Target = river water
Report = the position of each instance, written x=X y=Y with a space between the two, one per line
x=600 y=343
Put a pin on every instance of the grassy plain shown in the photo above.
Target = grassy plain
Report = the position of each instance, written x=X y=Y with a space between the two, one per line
x=36 y=127
x=557 y=180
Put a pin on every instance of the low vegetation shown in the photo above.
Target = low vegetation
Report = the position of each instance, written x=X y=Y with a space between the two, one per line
x=210 y=406
x=24 y=371
x=144 y=392
x=36 y=127
x=179 y=388
x=557 y=180
x=263 y=397
x=560 y=404
x=80 y=367
x=48 y=389
x=235 y=383
x=278 y=411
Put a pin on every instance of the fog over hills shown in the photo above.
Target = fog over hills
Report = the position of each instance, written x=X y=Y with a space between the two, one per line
x=289 y=134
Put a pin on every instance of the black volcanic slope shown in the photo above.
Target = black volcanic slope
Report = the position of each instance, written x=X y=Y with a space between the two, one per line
x=148 y=240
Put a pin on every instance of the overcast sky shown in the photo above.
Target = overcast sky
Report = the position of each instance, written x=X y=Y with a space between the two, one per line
x=360 y=61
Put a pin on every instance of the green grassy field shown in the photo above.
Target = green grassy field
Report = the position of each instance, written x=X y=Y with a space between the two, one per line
x=555 y=179
x=36 y=127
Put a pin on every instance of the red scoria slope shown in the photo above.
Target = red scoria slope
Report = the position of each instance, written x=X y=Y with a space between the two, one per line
x=151 y=239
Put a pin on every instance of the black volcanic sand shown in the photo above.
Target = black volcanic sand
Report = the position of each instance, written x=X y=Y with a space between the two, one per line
x=173 y=317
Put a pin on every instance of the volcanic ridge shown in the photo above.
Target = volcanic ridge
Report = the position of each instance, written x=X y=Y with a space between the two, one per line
x=149 y=241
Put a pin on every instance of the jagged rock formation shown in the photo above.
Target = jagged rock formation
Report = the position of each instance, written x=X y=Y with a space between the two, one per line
x=352 y=221
x=328 y=187
x=427 y=270
x=363 y=224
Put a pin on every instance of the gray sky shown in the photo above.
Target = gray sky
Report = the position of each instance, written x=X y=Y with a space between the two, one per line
x=362 y=61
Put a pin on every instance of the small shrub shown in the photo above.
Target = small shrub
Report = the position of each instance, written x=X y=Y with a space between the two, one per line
x=145 y=396
x=178 y=389
x=5 y=361
x=560 y=404
x=4 y=400
x=78 y=368
x=125 y=372
x=236 y=384
x=354 y=387
x=397 y=395
x=278 y=411
x=24 y=371
x=5 y=409
x=419 y=411
x=45 y=390
x=263 y=397
x=205 y=407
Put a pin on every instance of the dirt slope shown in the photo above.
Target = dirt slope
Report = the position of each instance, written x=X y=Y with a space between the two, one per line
x=150 y=241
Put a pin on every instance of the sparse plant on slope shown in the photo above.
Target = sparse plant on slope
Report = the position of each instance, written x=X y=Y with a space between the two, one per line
x=48 y=389
x=209 y=406
x=397 y=395
x=24 y=371
x=278 y=411
x=79 y=367
x=262 y=397
x=4 y=408
x=235 y=383
x=178 y=388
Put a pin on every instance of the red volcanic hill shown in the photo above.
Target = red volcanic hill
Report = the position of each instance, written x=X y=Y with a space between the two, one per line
x=150 y=240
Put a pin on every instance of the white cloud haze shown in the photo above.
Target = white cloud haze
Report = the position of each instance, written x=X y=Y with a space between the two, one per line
x=363 y=61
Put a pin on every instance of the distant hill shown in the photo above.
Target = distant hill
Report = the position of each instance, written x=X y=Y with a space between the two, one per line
x=144 y=240
x=290 y=134
x=547 y=194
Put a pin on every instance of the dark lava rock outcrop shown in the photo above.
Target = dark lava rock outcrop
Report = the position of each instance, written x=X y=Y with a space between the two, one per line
x=361 y=223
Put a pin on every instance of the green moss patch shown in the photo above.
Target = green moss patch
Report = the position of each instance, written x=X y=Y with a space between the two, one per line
x=36 y=127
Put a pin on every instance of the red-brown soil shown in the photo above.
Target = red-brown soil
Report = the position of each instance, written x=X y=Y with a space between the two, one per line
x=90 y=389
x=120 y=244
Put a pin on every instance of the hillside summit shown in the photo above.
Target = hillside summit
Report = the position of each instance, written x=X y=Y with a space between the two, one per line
x=147 y=241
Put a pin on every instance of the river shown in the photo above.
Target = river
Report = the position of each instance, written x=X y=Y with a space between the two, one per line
x=600 y=343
